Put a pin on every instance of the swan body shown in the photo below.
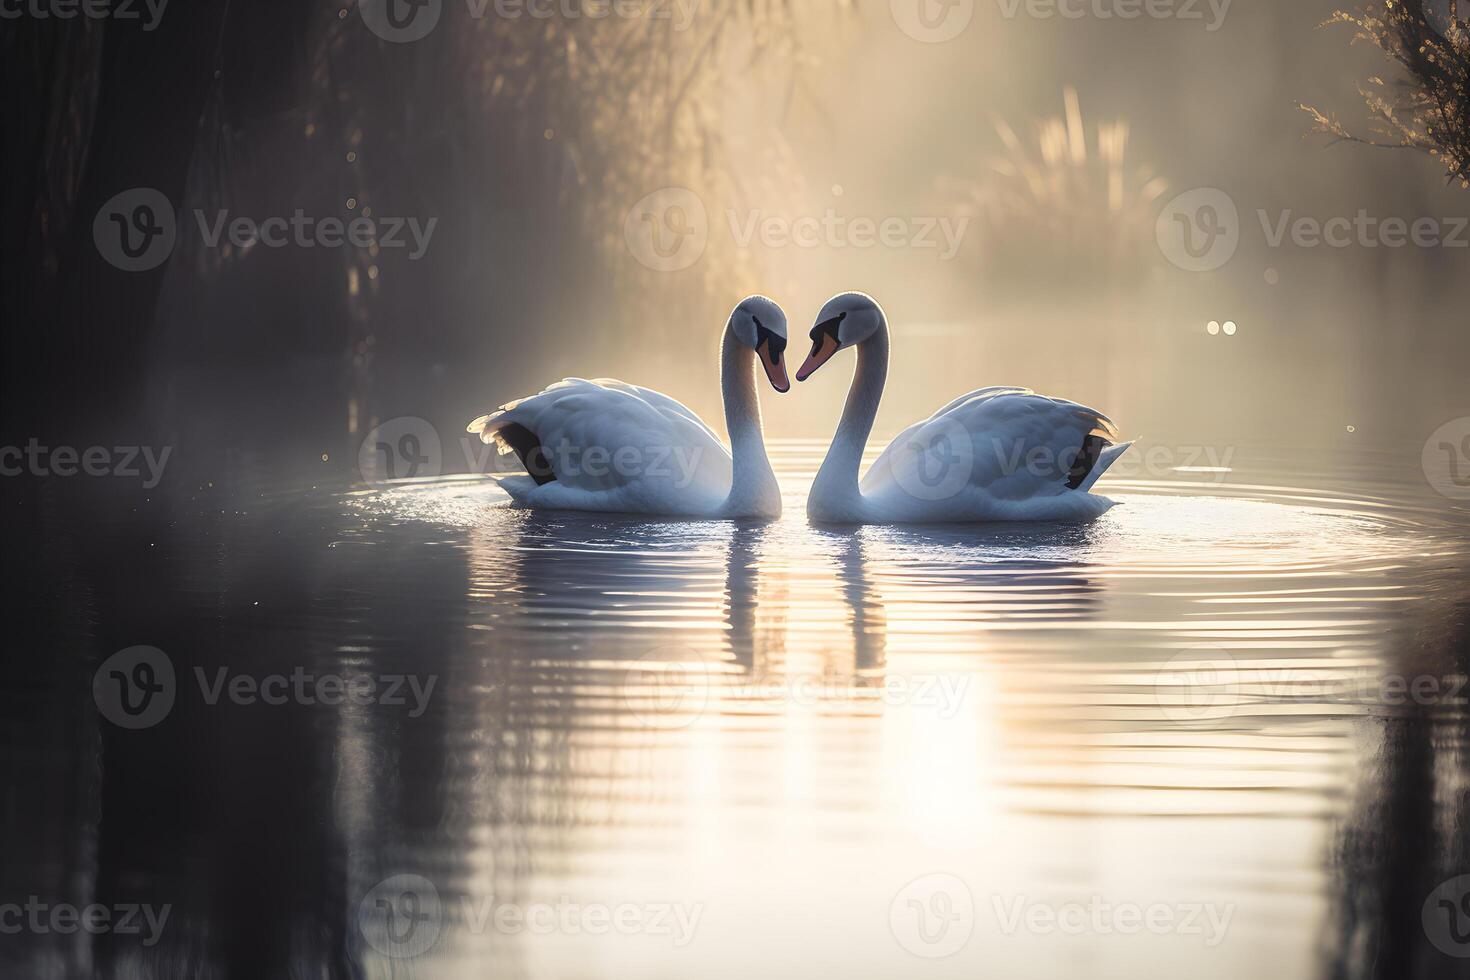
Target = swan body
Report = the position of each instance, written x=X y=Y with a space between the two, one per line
x=678 y=465
x=606 y=445
x=993 y=454
x=1004 y=427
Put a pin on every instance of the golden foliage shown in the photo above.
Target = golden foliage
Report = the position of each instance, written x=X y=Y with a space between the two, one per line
x=1060 y=206
x=1429 y=110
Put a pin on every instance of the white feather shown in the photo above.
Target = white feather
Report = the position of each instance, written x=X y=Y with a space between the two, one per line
x=615 y=446
x=994 y=454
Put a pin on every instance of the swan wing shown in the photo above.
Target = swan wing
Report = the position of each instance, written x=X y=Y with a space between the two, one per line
x=659 y=400
x=608 y=445
x=999 y=453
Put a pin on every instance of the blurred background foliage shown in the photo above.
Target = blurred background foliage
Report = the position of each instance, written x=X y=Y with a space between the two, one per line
x=525 y=139
x=528 y=141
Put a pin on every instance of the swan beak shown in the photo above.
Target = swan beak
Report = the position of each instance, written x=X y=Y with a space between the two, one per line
x=775 y=367
x=825 y=346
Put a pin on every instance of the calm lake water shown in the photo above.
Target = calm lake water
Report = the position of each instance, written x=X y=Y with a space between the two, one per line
x=1220 y=731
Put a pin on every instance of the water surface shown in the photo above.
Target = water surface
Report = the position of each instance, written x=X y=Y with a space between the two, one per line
x=1174 y=739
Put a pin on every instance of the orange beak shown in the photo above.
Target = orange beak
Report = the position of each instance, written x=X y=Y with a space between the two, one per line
x=775 y=367
x=822 y=351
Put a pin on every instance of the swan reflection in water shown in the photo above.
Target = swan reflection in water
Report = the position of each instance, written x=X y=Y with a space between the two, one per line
x=701 y=705
x=550 y=762
x=724 y=606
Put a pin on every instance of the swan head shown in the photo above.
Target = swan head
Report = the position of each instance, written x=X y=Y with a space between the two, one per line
x=846 y=320
x=758 y=323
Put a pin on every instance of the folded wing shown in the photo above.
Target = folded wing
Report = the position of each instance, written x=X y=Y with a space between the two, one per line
x=994 y=451
x=607 y=435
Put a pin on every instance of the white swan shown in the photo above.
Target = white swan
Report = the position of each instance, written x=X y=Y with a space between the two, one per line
x=995 y=454
x=605 y=445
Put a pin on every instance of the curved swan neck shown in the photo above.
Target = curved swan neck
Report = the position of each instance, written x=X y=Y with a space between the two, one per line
x=835 y=491
x=753 y=488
